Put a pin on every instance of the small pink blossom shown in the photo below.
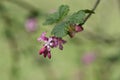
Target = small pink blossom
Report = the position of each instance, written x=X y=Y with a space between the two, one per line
x=73 y=29
x=49 y=43
x=88 y=58
x=78 y=28
x=60 y=43
x=43 y=37
x=31 y=24
x=45 y=51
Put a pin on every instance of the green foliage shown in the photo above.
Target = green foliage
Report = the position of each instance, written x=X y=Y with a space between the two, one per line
x=57 y=16
x=60 y=30
x=63 y=11
x=77 y=17
x=53 y=18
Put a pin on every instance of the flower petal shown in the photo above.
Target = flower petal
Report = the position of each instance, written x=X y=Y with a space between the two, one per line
x=49 y=55
x=60 y=47
x=42 y=50
x=43 y=37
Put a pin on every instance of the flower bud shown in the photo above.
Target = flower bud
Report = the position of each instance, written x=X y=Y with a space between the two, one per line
x=78 y=28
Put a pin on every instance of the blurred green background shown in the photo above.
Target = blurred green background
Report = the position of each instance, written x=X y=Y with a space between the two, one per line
x=19 y=58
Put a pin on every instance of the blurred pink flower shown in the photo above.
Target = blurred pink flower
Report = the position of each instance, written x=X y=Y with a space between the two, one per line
x=31 y=24
x=88 y=58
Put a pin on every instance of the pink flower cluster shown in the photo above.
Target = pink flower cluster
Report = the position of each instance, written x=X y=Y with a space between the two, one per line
x=51 y=42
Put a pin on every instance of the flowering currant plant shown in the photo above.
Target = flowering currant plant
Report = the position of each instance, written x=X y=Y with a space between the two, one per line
x=64 y=25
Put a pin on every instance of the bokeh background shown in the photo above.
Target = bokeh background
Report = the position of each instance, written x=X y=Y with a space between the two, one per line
x=93 y=54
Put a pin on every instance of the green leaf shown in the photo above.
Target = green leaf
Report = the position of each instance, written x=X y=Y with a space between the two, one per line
x=53 y=18
x=60 y=30
x=57 y=16
x=77 y=18
x=63 y=11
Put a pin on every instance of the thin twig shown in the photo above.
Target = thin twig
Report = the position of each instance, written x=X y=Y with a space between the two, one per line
x=93 y=9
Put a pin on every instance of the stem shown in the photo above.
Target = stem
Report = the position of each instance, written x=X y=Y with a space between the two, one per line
x=93 y=9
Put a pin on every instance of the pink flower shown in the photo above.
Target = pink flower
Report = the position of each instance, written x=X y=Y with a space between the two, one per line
x=78 y=28
x=31 y=24
x=45 y=51
x=43 y=37
x=49 y=43
x=88 y=58
x=60 y=43
x=73 y=29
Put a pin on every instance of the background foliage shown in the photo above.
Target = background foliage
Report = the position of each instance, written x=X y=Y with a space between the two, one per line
x=100 y=36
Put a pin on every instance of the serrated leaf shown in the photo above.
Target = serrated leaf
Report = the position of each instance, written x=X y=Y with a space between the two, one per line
x=77 y=18
x=63 y=11
x=60 y=30
x=57 y=16
x=53 y=18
